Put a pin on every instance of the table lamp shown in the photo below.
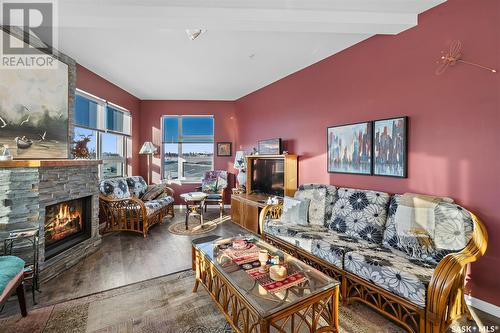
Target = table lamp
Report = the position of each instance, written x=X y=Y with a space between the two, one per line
x=148 y=148
x=240 y=165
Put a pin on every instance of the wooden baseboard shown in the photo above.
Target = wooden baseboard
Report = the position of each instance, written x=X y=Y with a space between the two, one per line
x=484 y=306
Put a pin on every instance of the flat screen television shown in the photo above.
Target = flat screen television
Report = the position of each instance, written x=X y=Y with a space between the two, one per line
x=268 y=176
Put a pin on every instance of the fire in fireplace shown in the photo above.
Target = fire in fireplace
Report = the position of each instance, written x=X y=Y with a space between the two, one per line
x=66 y=224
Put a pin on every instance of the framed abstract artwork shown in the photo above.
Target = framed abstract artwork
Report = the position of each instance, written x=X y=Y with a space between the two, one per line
x=224 y=148
x=390 y=144
x=349 y=148
x=270 y=147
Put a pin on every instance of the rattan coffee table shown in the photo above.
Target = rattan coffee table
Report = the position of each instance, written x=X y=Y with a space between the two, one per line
x=311 y=306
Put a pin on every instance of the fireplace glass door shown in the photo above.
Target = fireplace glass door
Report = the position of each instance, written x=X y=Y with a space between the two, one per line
x=66 y=223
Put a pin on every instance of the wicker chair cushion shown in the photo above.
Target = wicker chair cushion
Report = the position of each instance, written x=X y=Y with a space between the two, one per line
x=155 y=205
x=137 y=186
x=214 y=181
x=214 y=196
x=292 y=233
x=322 y=198
x=360 y=214
x=392 y=270
x=332 y=247
x=453 y=230
x=115 y=188
x=10 y=266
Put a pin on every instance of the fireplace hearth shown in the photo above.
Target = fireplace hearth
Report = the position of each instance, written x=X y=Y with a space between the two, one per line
x=61 y=199
x=67 y=223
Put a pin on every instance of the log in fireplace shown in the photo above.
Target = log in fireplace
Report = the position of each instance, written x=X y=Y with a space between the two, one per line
x=67 y=223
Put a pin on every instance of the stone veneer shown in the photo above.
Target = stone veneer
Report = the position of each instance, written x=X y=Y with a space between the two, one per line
x=26 y=191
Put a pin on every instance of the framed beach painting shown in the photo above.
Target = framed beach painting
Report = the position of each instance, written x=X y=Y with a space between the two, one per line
x=349 y=148
x=34 y=112
x=390 y=147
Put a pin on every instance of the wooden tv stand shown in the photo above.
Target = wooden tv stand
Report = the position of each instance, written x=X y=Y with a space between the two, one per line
x=245 y=210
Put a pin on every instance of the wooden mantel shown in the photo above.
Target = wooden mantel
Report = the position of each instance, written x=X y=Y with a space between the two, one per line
x=47 y=163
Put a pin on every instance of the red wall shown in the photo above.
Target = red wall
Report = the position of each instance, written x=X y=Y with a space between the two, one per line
x=225 y=130
x=92 y=83
x=454 y=122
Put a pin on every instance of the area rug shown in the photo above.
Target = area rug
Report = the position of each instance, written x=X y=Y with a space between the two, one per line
x=194 y=226
x=164 y=305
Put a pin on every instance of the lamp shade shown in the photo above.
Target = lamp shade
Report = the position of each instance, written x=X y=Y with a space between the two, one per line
x=239 y=160
x=147 y=148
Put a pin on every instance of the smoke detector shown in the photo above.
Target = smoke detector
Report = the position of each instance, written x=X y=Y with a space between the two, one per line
x=194 y=33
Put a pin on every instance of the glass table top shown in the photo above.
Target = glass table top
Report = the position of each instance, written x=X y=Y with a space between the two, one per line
x=264 y=302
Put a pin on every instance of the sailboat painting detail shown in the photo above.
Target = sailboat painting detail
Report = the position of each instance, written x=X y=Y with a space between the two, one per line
x=34 y=112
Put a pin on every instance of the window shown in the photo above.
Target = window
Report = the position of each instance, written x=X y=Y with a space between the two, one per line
x=108 y=127
x=188 y=147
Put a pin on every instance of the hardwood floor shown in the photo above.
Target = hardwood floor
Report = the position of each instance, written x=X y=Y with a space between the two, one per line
x=126 y=258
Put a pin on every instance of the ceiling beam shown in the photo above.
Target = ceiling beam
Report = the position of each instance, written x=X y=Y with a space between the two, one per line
x=233 y=19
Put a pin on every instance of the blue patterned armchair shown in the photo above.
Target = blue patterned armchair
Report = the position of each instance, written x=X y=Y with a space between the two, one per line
x=214 y=183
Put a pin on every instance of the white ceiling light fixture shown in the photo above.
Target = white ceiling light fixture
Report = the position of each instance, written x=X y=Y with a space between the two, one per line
x=194 y=33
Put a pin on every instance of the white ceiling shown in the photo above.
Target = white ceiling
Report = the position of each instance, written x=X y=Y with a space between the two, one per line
x=142 y=46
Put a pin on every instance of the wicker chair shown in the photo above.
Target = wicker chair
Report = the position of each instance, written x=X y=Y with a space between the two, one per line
x=125 y=204
x=214 y=183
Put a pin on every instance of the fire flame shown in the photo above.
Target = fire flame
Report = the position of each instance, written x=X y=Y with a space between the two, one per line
x=65 y=214
x=64 y=223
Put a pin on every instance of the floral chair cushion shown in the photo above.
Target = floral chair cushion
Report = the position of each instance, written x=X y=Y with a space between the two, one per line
x=322 y=197
x=453 y=230
x=360 y=213
x=391 y=270
x=332 y=247
x=214 y=181
x=154 y=205
x=115 y=188
x=137 y=186
x=292 y=233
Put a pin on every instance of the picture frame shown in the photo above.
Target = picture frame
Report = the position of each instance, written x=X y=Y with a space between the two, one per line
x=350 y=148
x=270 y=147
x=41 y=127
x=224 y=149
x=390 y=147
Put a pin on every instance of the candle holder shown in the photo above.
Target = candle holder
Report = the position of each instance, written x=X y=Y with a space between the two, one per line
x=263 y=257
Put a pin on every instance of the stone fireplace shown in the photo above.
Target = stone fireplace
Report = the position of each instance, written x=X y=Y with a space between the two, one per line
x=61 y=199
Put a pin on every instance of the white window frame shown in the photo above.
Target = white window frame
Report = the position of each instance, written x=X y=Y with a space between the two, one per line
x=102 y=128
x=180 y=165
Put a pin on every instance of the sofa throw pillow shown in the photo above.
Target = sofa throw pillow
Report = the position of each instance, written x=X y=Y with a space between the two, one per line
x=115 y=188
x=295 y=211
x=453 y=230
x=322 y=198
x=360 y=214
x=153 y=192
x=137 y=186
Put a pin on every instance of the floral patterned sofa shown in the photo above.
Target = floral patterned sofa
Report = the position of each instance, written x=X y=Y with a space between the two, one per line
x=132 y=205
x=351 y=235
